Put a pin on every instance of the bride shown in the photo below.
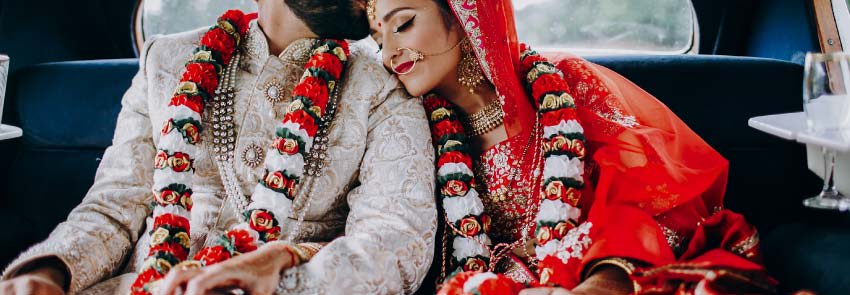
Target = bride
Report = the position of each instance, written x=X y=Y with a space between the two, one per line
x=558 y=173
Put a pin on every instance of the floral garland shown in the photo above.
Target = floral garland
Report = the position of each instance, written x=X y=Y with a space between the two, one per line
x=181 y=133
x=480 y=283
x=456 y=181
x=563 y=147
x=284 y=166
x=178 y=147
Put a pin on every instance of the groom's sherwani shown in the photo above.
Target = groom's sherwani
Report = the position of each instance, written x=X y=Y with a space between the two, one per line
x=373 y=202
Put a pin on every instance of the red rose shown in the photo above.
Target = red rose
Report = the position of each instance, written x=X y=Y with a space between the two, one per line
x=485 y=222
x=147 y=276
x=275 y=180
x=261 y=220
x=167 y=197
x=186 y=200
x=161 y=160
x=174 y=249
x=219 y=41
x=286 y=146
x=454 y=157
x=469 y=226
x=454 y=286
x=328 y=62
x=501 y=285
x=272 y=234
x=555 y=191
x=238 y=19
x=242 y=241
x=455 y=188
x=315 y=89
x=202 y=74
x=212 y=255
x=433 y=102
x=553 y=272
x=191 y=132
x=556 y=143
x=561 y=230
x=529 y=61
x=474 y=264
x=195 y=103
x=555 y=117
x=166 y=128
x=290 y=188
x=300 y=117
x=548 y=83
x=446 y=127
x=174 y=221
x=578 y=148
x=572 y=196
x=180 y=162
x=544 y=235
x=344 y=45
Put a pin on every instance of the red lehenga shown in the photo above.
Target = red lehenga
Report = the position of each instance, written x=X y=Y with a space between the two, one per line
x=654 y=192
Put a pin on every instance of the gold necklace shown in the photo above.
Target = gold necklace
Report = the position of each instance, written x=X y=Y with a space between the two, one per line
x=486 y=119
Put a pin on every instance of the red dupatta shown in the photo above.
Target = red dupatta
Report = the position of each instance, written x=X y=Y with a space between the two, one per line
x=655 y=188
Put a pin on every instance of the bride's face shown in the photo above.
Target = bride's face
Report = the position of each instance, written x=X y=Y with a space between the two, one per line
x=417 y=25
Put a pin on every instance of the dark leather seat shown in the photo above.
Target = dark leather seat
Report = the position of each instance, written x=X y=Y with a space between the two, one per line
x=68 y=112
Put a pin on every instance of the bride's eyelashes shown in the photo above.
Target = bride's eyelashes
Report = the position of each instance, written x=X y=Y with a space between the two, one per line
x=406 y=25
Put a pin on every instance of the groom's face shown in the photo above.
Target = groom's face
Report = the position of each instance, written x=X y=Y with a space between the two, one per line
x=338 y=19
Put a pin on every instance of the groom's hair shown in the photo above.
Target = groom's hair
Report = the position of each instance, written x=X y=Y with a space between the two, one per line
x=338 y=19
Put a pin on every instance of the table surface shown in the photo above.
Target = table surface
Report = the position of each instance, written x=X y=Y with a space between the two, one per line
x=792 y=126
x=9 y=132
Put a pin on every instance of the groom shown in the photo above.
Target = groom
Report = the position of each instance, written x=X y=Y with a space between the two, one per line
x=367 y=208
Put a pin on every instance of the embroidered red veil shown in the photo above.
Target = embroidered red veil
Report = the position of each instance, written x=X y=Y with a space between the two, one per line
x=655 y=192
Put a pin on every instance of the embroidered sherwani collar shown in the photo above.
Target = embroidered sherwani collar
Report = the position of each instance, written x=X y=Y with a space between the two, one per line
x=257 y=47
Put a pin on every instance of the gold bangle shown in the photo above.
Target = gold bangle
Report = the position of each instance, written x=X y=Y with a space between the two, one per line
x=627 y=266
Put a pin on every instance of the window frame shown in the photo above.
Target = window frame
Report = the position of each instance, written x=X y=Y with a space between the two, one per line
x=841 y=12
x=138 y=27
x=693 y=48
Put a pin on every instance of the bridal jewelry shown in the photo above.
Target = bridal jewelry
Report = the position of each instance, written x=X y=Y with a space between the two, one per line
x=469 y=73
x=486 y=119
x=416 y=56
x=370 y=8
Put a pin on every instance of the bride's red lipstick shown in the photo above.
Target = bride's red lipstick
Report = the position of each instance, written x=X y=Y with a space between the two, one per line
x=403 y=68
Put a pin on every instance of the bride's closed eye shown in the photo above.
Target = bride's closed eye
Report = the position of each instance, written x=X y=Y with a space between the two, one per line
x=406 y=25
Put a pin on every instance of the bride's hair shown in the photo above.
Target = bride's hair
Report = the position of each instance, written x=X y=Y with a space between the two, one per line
x=446 y=11
x=340 y=19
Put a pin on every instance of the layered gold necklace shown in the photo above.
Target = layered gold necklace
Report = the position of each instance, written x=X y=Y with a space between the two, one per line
x=486 y=119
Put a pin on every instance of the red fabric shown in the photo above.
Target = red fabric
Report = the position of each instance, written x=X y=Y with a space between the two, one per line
x=645 y=167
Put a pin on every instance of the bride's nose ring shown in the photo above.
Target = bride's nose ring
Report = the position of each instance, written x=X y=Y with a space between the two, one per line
x=412 y=54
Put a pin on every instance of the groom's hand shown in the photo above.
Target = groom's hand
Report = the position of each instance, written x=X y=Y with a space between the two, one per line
x=256 y=272
x=45 y=280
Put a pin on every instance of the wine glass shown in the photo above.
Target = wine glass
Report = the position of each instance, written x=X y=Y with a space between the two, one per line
x=827 y=106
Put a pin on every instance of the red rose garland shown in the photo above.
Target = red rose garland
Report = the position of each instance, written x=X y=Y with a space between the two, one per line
x=563 y=171
x=273 y=195
x=480 y=283
x=563 y=151
x=177 y=149
x=456 y=183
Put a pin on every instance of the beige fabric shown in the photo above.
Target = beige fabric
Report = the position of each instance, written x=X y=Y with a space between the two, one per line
x=374 y=200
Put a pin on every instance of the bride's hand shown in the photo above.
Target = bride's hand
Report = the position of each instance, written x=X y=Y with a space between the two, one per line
x=257 y=272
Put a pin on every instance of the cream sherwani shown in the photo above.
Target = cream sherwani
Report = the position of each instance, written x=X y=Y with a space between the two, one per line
x=374 y=200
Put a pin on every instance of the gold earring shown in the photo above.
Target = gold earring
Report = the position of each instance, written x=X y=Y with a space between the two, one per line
x=370 y=9
x=469 y=72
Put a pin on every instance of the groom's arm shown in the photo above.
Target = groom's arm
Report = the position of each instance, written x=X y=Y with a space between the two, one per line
x=389 y=234
x=101 y=231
